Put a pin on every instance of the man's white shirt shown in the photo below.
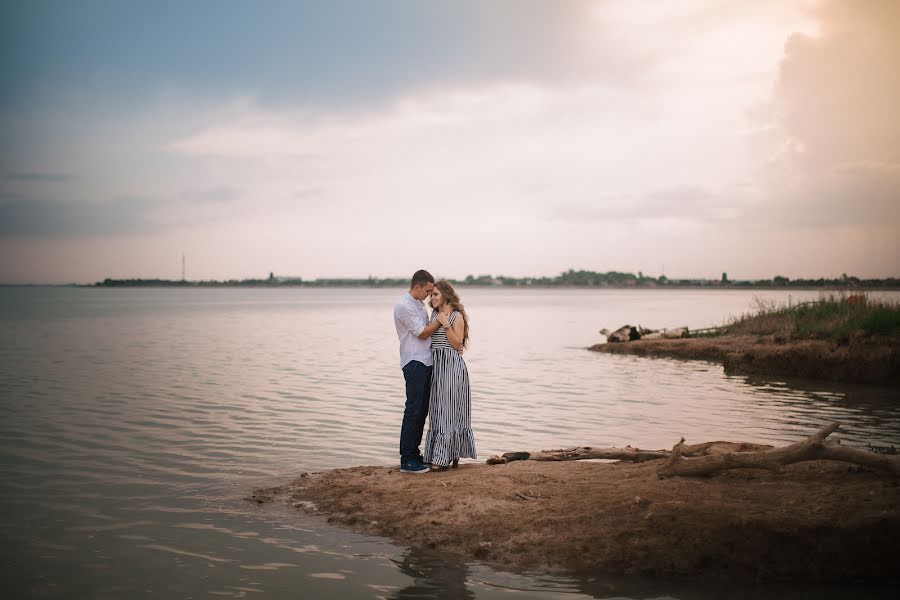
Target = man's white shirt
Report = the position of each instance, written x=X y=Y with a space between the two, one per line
x=410 y=318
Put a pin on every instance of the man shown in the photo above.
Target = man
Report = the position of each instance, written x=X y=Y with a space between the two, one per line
x=411 y=321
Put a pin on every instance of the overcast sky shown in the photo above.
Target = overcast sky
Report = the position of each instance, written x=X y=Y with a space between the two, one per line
x=354 y=138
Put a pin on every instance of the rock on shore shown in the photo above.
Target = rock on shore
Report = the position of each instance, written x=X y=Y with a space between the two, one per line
x=820 y=521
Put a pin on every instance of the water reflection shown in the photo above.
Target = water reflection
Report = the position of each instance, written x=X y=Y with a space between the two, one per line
x=868 y=414
x=608 y=588
x=439 y=577
x=869 y=399
x=434 y=576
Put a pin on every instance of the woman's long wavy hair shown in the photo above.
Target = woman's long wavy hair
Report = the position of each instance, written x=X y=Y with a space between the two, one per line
x=452 y=299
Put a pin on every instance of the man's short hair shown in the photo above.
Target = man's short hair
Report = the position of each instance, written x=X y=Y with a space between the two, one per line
x=421 y=277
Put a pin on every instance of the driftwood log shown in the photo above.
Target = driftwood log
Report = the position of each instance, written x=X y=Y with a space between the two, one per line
x=775 y=459
x=582 y=453
x=627 y=453
x=709 y=457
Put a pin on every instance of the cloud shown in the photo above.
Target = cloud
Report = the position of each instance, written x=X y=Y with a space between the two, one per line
x=513 y=125
x=341 y=52
x=210 y=196
x=690 y=203
x=834 y=152
x=514 y=143
x=37 y=177
x=26 y=217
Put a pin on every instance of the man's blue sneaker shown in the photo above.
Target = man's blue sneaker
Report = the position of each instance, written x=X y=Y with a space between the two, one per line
x=413 y=465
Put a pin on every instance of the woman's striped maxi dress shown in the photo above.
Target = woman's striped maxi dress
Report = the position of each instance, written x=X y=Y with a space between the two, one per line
x=449 y=412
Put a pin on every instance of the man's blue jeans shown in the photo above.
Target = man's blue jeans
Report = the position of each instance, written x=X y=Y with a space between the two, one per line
x=418 y=389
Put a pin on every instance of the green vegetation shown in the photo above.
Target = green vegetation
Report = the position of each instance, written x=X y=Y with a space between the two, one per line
x=271 y=281
x=838 y=317
x=570 y=278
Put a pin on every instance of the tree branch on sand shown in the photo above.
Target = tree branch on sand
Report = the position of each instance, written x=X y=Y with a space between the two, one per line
x=627 y=453
x=775 y=459
x=709 y=457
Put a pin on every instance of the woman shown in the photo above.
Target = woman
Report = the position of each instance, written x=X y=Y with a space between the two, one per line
x=449 y=419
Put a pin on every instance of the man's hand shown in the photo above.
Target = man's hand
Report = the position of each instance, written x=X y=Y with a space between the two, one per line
x=443 y=319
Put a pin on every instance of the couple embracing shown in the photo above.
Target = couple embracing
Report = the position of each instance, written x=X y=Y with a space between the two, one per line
x=437 y=382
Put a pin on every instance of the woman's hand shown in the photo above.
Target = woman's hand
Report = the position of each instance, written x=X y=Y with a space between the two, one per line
x=443 y=319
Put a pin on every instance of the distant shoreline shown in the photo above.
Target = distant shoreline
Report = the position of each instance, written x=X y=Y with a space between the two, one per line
x=205 y=285
x=568 y=279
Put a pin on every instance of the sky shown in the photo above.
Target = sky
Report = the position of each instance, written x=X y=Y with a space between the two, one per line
x=341 y=138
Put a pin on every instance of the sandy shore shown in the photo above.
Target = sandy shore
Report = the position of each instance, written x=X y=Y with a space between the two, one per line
x=858 y=361
x=820 y=521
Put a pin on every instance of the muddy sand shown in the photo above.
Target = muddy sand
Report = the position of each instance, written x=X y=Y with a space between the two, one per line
x=820 y=521
x=856 y=361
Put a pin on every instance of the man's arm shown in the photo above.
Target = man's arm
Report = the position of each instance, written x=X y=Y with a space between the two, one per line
x=429 y=329
x=412 y=322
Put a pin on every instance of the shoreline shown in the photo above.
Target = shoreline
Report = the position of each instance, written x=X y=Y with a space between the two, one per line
x=820 y=521
x=862 y=360
x=505 y=288
x=497 y=287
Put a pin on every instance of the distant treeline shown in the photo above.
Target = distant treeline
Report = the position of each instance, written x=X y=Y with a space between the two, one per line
x=570 y=278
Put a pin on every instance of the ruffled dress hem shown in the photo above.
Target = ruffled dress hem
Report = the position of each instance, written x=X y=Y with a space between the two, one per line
x=443 y=447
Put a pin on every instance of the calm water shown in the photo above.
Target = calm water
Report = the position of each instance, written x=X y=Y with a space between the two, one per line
x=133 y=422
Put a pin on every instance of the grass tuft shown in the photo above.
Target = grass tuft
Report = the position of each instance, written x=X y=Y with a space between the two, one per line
x=837 y=316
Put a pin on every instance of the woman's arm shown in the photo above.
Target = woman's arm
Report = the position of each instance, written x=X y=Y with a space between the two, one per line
x=455 y=332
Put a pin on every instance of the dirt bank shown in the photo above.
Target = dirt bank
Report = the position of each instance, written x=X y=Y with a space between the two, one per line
x=820 y=521
x=856 y=361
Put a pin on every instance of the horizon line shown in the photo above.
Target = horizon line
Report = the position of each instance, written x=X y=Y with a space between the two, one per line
x=281 y=279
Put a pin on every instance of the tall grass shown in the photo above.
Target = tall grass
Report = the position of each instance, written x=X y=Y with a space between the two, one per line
x=836 y=316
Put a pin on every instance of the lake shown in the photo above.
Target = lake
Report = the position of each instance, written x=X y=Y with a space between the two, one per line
x=133 y=422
